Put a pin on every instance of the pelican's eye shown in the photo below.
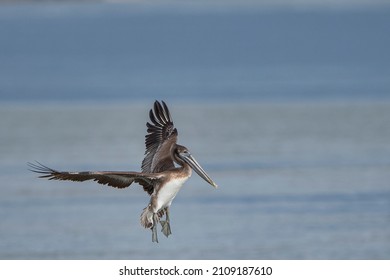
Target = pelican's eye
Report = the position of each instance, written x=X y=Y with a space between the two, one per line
x=184 y=153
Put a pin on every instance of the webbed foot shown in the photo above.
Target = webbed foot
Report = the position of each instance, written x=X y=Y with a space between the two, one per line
x=166 y=228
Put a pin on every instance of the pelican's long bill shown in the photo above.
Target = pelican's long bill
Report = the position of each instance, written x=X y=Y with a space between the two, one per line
x=188 y=158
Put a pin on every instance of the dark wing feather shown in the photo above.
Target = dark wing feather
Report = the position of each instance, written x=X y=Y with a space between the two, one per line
x=161 y=136
x=111 y=178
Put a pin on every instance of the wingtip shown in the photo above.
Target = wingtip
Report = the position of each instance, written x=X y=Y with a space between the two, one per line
x=34 y=166
x=39 y=168
x=159 y=102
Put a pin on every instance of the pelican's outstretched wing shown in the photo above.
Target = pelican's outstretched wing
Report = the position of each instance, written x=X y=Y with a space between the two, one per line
x=111 y=178
x=161 y=136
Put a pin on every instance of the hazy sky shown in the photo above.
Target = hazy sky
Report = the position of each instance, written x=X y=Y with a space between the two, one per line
x=289 y=3
x=298 y=4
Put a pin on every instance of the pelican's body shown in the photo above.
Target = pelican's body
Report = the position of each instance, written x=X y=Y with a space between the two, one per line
x=167 y=192
x=160 y=177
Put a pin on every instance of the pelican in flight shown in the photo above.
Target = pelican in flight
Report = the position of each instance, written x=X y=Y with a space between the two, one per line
x=165 y=168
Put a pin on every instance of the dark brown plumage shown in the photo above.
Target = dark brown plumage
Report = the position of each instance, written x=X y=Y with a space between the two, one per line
x=162 y=135
x=116 y=179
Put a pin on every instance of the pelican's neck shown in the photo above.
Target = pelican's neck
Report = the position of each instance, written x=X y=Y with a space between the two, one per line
x=186 y=169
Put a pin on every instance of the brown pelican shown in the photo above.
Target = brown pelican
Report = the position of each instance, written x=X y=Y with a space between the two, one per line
x=160 y=177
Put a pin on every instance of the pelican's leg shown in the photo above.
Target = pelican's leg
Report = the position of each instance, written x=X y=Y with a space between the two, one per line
x=166 y=227
x=154 y=228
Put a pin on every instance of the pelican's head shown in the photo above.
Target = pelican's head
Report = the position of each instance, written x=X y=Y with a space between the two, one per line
x=183 y=154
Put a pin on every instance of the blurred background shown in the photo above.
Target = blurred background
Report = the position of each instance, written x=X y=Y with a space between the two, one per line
x=285 y=104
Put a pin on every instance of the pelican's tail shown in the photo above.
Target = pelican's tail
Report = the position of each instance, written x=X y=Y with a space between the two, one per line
x=147 y=217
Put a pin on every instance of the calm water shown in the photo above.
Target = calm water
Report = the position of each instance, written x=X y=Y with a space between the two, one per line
x=287 y=111
x=296 y=181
